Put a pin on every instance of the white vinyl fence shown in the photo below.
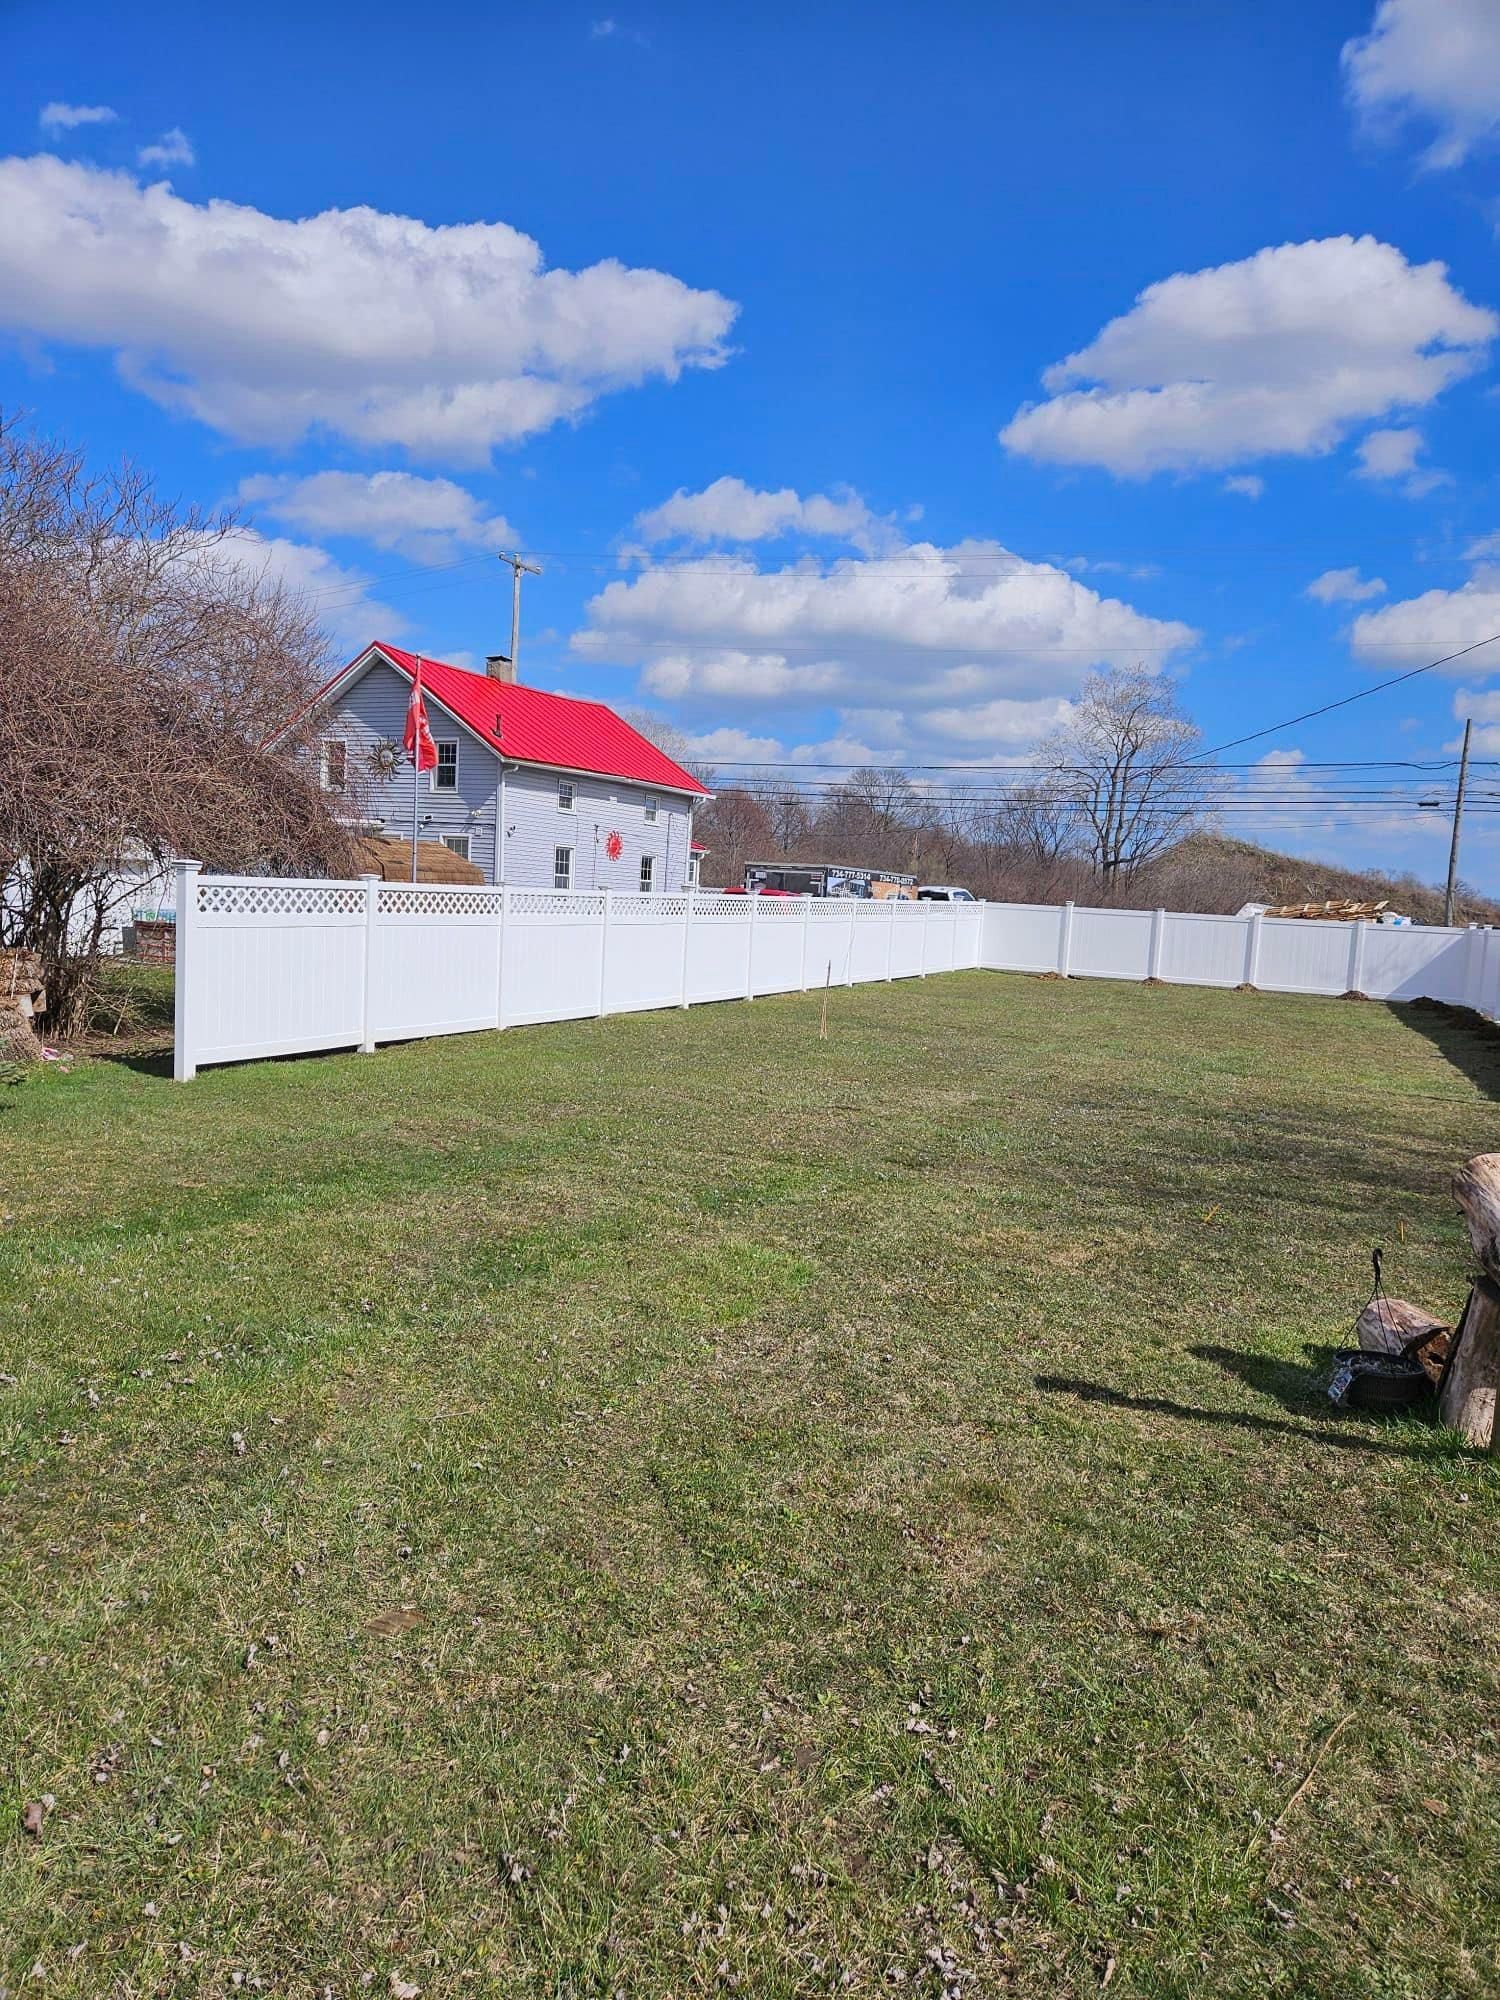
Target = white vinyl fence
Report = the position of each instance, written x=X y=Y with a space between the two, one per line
x=1279 y=954
x=268 y=967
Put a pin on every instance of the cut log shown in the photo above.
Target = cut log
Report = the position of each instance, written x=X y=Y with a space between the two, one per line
x=1471 y=1380
x=1476 y=1189
x=1388 y=1326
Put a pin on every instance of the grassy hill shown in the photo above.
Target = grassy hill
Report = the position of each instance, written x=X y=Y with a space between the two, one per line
x=1216 y=872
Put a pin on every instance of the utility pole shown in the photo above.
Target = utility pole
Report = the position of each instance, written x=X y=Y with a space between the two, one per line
x=518 y=569
x=1458 y=814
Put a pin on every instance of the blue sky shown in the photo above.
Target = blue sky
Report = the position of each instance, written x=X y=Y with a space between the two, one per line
x=861 y=377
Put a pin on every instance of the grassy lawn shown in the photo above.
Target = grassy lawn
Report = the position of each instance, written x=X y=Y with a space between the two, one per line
x=670 y=1506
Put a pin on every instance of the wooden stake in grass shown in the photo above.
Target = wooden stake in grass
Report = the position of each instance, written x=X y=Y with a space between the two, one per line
x=823 y=1022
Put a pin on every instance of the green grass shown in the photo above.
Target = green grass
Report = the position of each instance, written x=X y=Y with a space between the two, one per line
x=867 y=1507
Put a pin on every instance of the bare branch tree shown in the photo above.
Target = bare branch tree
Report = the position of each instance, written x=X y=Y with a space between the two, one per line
x=145 y=665
x=1123 y=766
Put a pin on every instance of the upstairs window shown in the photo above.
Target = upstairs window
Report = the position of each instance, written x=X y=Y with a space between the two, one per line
x=562 y=867
x=333 y=763
x=566 y=796
x=445 y=771
x=651 y=808
x=648 y=873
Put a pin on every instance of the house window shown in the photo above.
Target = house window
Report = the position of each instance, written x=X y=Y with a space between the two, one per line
x=648 y=873
x=651 y=808
x=457 y=843
x=566 y=794
x=445 y=771
x=562 y=867
x=695 y=862
x=333 y=765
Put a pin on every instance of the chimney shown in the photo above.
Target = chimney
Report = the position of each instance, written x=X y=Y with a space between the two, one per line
x=498 y=667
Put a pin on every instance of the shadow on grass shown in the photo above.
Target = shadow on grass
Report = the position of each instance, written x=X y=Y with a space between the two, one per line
x=1297 y=1385
x=1464 y=1038
x=1239 y=1420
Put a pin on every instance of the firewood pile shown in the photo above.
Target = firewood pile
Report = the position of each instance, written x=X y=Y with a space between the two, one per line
x=1462 y=1361
x=22 y=999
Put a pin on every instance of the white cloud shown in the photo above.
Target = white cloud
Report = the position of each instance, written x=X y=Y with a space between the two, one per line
x=339 y=595
x=427 y=520
x=56 y=117
x=1280 y=354
x=1437 y=622
x=602 y=30
x=1434 y=60
x=1344 y=586
x=447 y=341
x=1249 y=485
x=730 y=511
x=1392 y=455
x=1482 y=707
x=172 y=149
x=970 y=644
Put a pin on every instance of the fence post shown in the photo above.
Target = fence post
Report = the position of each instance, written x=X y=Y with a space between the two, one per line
x=184 y=1065
x=1158 y=938
x=687 y=940
x=1356 y=955
x=806 y=927
x=1252 y=949
x=890 y=935
x=1473 y=967
x=927 y=910
x=1065 y=941
x=753 y=899
x=372 y=910
x=500 y=955
x=604 y=952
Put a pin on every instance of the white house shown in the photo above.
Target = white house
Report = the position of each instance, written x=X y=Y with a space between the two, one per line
x=542 y=791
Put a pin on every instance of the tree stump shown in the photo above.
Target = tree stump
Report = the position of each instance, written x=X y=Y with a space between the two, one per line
x=1395 y=1327
x=1471 y=1380
x=1476 y=1189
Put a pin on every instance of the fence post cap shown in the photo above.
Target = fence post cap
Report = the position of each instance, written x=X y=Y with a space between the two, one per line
x=188 y=864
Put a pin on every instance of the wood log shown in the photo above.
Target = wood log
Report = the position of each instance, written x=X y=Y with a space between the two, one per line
x=1386 y=1326
x=1471 y=1381
x=1476 y=1189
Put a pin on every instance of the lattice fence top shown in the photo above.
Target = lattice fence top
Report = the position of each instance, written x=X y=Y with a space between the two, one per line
x=279 y=899
x=832 y=909
x=555 y=903
x=775 y=909
x=721 y=906
x=415 y=900
x=647 y=909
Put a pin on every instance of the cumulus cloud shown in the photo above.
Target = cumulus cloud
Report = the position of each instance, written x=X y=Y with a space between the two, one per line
x=55 y=117
x=1344 y=586
x=1391 y=455
x=1482 y=708
x=730 y=511
x=1279 y=354
x=970 y=644
x=1248 y=485
x=172 y=149
x=1436 y=61
x=427 y=520
x=1438 y=621
x=447 y=341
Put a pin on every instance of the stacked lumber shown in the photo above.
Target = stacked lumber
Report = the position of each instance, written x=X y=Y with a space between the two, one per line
x=22 y=998
x=1338 y=909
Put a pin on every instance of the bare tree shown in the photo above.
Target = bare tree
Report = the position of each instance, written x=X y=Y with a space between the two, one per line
x=786 y=809
x=145 y=666
x=671 y=741
x=734 y=827
x=1123 y=765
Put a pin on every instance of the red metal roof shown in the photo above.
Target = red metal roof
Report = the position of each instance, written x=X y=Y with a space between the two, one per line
x=528 y=726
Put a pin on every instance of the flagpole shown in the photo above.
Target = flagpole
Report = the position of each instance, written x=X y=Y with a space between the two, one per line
x=416 y=775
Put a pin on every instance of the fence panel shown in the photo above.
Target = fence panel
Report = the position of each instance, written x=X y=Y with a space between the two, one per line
x=552 y=961
x=1023 y=937
x=777 y=933
x=645 y=962
x=1203 y=951
x=1112 y=944
x=719 y=948
x=417 y=928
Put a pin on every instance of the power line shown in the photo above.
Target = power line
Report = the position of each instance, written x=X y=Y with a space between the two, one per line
x=1363 y=694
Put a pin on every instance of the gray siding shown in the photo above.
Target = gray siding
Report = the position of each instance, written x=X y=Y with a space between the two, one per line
x=533 y=825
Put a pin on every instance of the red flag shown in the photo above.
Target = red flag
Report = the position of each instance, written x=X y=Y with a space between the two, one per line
x=418 y=738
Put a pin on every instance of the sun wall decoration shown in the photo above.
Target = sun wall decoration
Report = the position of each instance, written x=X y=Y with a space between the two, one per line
x=614 y=847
